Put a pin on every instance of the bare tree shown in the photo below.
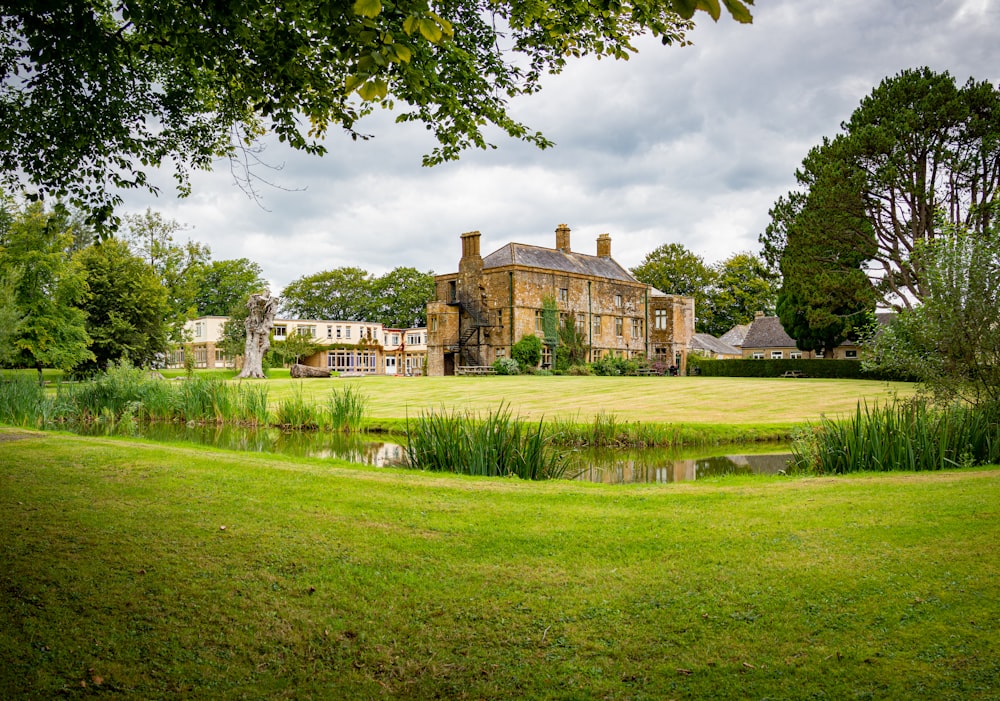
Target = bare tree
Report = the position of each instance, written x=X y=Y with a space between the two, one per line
x=259 y=321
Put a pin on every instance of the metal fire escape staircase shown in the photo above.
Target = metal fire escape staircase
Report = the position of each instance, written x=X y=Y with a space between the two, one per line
x=471 y=321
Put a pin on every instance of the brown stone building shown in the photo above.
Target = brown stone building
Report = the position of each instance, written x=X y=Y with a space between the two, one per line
x=492 y=302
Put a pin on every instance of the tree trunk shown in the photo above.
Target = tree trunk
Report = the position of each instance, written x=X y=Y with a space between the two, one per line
x=258 y=324
x=299 y=371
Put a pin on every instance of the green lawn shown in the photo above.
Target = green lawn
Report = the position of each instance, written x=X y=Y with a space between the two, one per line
x=699 y=400
x=134 y=570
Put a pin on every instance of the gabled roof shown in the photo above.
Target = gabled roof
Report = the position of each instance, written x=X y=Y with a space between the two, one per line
x=708 y=342
x=735 y=335
x=767 y=332
x=554 y=259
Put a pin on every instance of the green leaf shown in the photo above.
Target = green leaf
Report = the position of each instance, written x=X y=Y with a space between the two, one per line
x=374 y=89
x=367 y=8
x=739 y=11
x=403 y=53
x=430 y=30
x=410 y=24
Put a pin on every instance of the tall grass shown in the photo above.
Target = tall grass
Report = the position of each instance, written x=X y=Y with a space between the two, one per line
x=498 y=445
x=22 y=401
x=253 y=408
x=295 y=411
x=345 y=409
x=902 y=436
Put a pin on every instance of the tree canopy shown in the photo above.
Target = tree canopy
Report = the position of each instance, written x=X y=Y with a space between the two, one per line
x=94 y=95
x=397 y=299
x=126 y=308
x=921 y=153
x=673 y=269
x=221 y=286
x=47 y=286
x=742 y=285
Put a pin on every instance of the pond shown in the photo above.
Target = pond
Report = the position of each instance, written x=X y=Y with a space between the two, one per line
x=607 y=465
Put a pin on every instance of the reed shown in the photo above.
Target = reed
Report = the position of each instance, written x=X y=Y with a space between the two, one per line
x=295 y=411
x=252 y=402
x=913 y=436
x=345 y=409
x=22 y=401
x=498 y=445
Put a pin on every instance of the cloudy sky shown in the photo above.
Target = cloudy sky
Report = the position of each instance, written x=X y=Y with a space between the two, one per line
x=689 y=145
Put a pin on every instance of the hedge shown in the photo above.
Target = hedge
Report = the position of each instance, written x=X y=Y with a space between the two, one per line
x=843 y=369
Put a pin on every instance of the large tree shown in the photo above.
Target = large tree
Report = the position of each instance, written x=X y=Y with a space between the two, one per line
x=179 y=265
x=674 y=269
x=743 y=285
x=126 y=306
x=826 y=296
x=398 y=298
x=917 y=146
x=94 y=94
x=401 y=297
x=220 y=286
x=47 y=286
x=342 y=294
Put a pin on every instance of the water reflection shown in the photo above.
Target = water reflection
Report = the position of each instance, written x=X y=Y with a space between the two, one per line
x=609 y=466
x=664 y=465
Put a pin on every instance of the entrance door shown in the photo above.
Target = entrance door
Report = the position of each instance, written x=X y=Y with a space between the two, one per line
x=390 y=365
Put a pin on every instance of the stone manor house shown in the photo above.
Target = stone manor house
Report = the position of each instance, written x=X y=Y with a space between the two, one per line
x=491 y=303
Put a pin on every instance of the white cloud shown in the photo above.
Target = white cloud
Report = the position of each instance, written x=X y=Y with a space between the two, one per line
x=691 y=145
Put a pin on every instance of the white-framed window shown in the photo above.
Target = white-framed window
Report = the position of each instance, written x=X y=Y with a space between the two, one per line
x=660 y=319
x=851 y=354
x=795 y=355
x=757 y=355
x=329 y=332
x=347 y=332
x=777 y=355
x=306 y=330
x=563 y=294
x=595 y=325
x=636 y=328
x=581 y=322
x=618 y=301
x=280 y=331
x=619 y=326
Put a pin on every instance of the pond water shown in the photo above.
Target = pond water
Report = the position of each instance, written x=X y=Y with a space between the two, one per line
x=610 y=466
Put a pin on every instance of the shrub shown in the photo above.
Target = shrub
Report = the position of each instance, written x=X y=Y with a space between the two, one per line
x=614 y=366
x=528 y=351
x=506 y=366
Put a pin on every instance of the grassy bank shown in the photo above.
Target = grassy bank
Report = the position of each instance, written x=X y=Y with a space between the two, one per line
x=133 y=570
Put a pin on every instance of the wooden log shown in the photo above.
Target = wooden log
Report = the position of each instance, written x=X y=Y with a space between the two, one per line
x=299 y=371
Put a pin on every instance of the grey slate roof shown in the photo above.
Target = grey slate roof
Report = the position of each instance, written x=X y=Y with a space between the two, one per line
x=735 y=335
x=708 y=342
x=767 y=332
x=554 y=259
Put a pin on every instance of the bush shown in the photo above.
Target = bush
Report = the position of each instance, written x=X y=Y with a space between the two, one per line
x=614 y=366
x=506 y=366
x=527 y=352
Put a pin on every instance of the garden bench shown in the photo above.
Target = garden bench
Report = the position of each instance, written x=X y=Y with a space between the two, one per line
x=474 y=370
x=793 y=373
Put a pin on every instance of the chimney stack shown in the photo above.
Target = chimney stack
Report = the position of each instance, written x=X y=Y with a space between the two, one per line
x=470 y=244
x=604 y=246
x=562 y=238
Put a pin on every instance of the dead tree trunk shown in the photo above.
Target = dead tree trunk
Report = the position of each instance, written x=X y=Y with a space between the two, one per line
x=259 y=321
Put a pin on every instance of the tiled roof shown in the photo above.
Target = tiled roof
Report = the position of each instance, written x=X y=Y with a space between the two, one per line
x=708 y=342
x=767 y=332
x=554 y=259
x=735 y=335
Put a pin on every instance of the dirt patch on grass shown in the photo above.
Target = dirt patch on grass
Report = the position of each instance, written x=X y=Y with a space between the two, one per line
x=13 y=435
